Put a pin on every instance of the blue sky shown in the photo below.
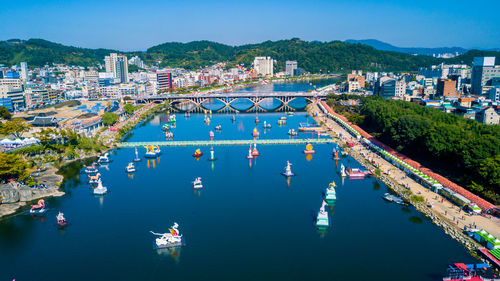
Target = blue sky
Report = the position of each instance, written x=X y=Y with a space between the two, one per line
x=139 y=24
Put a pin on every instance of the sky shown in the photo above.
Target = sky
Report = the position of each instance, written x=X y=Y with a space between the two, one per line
x=135 y=25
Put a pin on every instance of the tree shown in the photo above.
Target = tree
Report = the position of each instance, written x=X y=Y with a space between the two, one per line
x=4 y=113
x=47 y=136
x=13 y=166
x=109 y=118
x=15 y=127
x=129 y=108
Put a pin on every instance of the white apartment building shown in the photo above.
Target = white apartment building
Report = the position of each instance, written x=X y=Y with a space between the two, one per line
x=118 y=65
x=263 y=65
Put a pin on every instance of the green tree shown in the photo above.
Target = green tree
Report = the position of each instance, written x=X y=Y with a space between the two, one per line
x=4 y=113
x=110 y=118
x=13 y=166
x=129 y=108
x=15 y=127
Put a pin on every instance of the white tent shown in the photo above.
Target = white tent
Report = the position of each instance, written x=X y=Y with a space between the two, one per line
x=6 y=141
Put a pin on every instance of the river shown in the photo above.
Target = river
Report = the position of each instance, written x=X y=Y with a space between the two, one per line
x=247 y=223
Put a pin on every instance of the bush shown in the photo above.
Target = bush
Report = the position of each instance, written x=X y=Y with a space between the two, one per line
x=417 y=199
x=109 y=118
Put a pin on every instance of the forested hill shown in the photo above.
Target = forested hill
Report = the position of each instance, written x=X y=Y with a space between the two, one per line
x=38 y=52
x=335 y=56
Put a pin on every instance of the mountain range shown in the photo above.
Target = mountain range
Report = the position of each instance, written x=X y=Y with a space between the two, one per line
x=315 y=56
x=379 y=45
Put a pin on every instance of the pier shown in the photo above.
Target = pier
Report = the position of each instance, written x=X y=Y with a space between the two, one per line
x=226 y=142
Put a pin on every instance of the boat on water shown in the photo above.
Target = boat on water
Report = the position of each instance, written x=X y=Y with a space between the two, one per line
x=309 y=149
x=197 y=183
x=342 y=171
x=322 y=218
x=255 y=152
x=152 y=151
x=393 y=198
x=104 y=158
x=130 y=168
x=61 y=220
x=169 y=135
x=38 y=209
x=94 y=179
x=100 y=189
x=330 y=193
x=255 y=133
x=257 y=120
x=306 y=127
x=91 y=169
x=218 y=127
x=212 y=155
x=137 y=158
x=289 y=113
x=335 y=154
x=172 y=119
x=212 y=135
x=355 y=173
x=292 y=132
x=288 y=170
x=169 y=240
x=233 y=118
x=165 y=127
x=250 y=156
x=267 y=125
x=197 y=153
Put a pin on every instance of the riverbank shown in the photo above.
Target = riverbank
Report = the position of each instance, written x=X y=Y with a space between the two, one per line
x=14 y=196
x=441 y=212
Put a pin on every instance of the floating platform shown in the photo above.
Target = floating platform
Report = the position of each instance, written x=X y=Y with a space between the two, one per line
x=227 y=142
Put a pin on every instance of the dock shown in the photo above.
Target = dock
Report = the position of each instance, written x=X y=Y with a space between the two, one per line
x=227 y=142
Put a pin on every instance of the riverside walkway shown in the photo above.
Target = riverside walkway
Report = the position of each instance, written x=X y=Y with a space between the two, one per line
x=226 y=142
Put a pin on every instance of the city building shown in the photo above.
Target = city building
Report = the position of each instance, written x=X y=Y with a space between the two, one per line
x=392 y=88
x=495 y=94
x=11 y=75
x=24 y=71
x=488 y=116
x=136 y=61
x=483 y=72
x=118 y=65
x=444 y=70
x=263 y=66
x=355 y=81
x=164 y=80
x=446 y=88
x=290 y=67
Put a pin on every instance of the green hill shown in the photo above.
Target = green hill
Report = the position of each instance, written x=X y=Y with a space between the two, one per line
x=335 y=56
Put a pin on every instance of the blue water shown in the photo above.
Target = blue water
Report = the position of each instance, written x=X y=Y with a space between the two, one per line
x=247 y=223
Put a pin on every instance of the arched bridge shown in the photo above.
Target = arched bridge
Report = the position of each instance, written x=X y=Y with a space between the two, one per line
x=256 y=99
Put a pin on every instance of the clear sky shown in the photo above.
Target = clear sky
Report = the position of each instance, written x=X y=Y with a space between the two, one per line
x=138 y=24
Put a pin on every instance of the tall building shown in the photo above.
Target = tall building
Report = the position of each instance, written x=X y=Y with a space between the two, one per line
x=118 y=65
x=263 y=65
x=392 y=88
x=24 y=71
x=164 y=80
x=355 y=81
x=136 y=61
x=483 y=72
x=446 y=88
x=290 y=67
